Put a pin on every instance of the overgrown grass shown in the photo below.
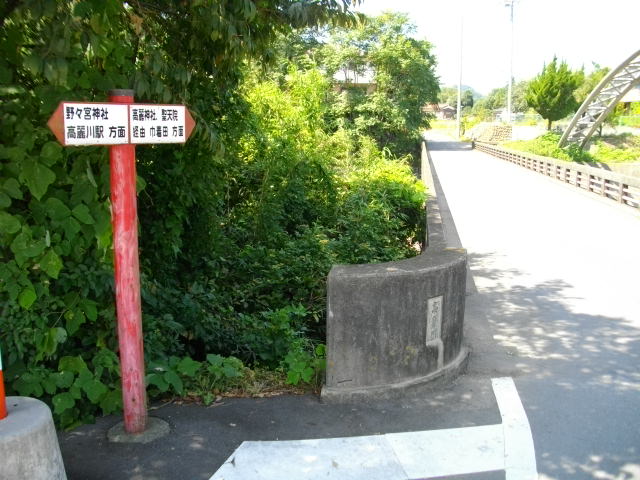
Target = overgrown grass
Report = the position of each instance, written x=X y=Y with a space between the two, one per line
x=610 y=149
x=617 y=148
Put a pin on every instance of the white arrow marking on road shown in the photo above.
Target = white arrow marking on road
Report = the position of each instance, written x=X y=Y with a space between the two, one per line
x=506 y=446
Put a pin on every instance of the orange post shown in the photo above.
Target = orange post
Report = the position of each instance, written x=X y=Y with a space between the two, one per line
x=127 y=277
x=3 y=399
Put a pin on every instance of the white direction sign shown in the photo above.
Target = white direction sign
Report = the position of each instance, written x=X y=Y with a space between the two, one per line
x=95 y=124
x=77 y=123
x=157 y=123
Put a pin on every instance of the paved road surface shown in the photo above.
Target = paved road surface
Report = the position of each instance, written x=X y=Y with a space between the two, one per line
x=557 y=271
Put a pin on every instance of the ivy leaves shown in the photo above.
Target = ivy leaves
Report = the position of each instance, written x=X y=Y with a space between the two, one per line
x=37 y=176
x=51 y=264
x=73 y=383
x=8 y=223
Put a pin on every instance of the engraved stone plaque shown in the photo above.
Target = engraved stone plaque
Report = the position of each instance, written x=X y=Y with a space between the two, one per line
x=434 y=318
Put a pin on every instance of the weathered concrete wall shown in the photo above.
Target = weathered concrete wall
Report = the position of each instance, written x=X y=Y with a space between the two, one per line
x=397 y=325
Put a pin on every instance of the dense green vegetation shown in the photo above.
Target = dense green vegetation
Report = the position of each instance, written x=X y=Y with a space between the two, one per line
x=403 y=80
x=547 y=146
x=238 y=228
x=611 y=149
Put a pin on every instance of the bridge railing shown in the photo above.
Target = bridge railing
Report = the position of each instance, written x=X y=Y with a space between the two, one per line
x=615 y=186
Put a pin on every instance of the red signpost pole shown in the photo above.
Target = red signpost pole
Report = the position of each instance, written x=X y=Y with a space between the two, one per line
x=3 y=399
x=127 y=277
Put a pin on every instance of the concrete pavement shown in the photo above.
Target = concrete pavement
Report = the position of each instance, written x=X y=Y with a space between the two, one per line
x=557 y=274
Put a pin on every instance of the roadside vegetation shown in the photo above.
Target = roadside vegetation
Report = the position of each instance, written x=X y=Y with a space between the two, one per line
x=606 y=149
x=286 y=175
x=555 y=94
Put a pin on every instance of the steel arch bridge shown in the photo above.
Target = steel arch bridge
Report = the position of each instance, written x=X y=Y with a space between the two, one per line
x=601 y=101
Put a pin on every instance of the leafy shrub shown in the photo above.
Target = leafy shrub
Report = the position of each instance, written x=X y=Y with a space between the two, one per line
x=630 y=121
x=618 y=148
x=76 y=390
x=547 y=146
x=185 y=376
x=602 y=150
x=305 y=364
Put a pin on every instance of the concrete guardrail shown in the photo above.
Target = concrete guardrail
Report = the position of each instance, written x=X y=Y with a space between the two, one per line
x=394 y=327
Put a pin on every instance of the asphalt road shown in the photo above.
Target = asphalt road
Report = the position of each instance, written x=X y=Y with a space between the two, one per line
x=557 y=274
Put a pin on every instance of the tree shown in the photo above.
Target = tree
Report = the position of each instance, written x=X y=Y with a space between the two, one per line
x=519 y=100
x=466 y=99
x=551 y=92
x=448 y=95
x=590 y=82
x=405 y=81
x=55 y=237
x=496 y=99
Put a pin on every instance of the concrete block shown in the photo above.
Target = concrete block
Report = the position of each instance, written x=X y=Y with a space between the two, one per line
x=395 y=324
x=28 y=443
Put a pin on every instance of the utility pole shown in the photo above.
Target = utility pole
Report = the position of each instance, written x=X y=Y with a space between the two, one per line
x=509 y=4
x=459 y=109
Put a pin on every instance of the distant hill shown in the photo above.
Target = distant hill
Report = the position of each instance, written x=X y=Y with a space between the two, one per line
x=475 y=93
x=449 y=94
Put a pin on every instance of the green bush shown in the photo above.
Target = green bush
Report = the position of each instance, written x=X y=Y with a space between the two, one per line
x=621 y=148
x=187 y=377
x=547 y=146
x=629 y=121
x=306 y=364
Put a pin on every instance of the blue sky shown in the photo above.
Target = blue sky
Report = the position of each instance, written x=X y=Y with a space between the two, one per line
x=578 y=31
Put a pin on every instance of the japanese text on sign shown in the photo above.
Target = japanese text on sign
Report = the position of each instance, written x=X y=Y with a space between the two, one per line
x=157 y=123
x=434 y=318
x=95 y=124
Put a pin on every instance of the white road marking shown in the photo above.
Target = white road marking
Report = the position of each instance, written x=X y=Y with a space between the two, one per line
x=519 y=452
x=455 y=451
x=333 y=458
x=398 y=456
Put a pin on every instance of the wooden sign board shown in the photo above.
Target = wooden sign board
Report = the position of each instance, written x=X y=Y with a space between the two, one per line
x=81 y=124
x=84 y=124
x=159 y=123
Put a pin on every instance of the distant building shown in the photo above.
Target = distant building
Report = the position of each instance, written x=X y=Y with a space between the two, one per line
x=432 y=108
x=441 y=111
x=447 y=112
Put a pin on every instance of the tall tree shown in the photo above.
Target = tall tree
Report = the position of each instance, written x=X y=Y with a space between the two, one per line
x=403 y=70
x=448 y=95
x=551 y=92
x=466 y=99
